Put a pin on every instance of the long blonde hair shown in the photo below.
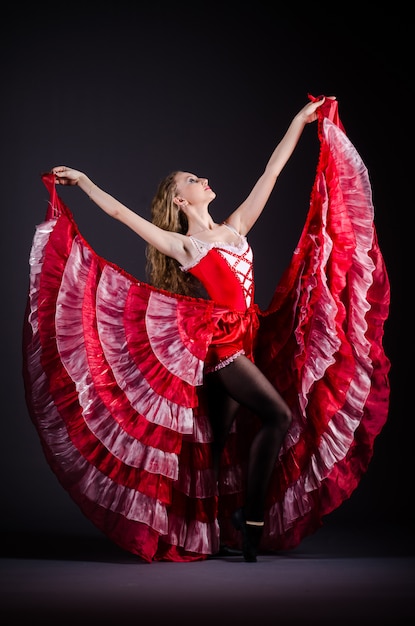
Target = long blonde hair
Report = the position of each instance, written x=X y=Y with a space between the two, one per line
x=163 y=271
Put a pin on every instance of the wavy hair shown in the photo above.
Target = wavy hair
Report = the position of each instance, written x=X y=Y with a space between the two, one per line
x=163 y=271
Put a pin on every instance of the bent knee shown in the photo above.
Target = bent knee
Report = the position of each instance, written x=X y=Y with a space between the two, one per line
x=280 y=417
x=285 y=418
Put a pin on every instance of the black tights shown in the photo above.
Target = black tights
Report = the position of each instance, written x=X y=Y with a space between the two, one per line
x=241 y=383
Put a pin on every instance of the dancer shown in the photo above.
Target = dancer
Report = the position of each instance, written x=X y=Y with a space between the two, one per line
x=194 y=262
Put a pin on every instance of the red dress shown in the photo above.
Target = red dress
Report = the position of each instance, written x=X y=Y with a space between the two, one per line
x=113 y=372
x=226 y=271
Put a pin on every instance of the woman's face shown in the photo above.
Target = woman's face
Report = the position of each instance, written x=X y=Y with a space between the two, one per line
x=192 y=189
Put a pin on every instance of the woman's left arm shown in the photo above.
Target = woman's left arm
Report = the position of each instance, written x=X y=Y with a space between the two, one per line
x=245 y=216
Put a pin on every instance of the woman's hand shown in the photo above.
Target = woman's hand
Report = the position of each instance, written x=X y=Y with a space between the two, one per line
x=308 y=113
x=66 y=175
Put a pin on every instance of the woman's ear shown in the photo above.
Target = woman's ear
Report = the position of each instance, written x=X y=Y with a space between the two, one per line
x=180 y=202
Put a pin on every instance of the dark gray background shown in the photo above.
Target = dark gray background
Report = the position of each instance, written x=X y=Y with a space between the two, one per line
x=129 y=94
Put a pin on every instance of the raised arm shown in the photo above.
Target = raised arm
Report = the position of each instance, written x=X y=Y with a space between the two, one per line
x=245 y=216
x=169 y=243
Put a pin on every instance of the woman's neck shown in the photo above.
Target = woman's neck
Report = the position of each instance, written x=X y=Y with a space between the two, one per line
x=198 y=227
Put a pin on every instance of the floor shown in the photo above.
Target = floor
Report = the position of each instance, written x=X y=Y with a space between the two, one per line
x=337 y=576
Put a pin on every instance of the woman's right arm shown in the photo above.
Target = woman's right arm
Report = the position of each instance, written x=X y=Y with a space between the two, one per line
x=169 y=243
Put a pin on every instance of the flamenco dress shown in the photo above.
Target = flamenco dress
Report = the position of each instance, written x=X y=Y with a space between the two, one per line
x=114 y=374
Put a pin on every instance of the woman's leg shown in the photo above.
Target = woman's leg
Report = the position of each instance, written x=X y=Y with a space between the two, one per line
x=222 y=410
x=242 y=383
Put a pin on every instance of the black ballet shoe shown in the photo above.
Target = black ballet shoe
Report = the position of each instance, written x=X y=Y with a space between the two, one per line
x=225 y=550
x=251 y=535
